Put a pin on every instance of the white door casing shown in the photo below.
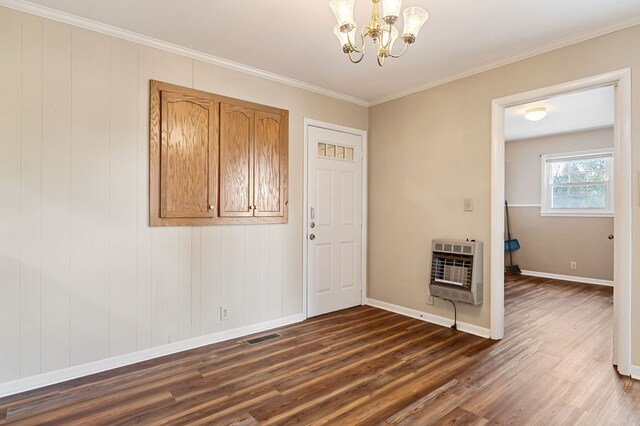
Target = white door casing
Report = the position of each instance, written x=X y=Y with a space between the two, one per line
x=621 y=79
x=334 y=231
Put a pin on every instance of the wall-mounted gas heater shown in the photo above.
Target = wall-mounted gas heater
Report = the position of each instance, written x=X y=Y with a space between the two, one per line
x=456 y=270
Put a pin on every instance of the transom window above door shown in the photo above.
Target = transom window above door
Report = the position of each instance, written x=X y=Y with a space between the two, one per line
x=577 y=183
x=337 y=152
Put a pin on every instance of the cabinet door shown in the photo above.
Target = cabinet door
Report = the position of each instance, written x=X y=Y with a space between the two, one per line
x=270 y=161
x=188 y=156
x=236 y=174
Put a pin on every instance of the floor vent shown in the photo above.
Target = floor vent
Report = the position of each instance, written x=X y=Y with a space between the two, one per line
x=262 y=339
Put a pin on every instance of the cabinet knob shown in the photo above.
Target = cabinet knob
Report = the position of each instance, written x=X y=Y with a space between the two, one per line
x=610 y=236
x=212 y=206
x=312 y=237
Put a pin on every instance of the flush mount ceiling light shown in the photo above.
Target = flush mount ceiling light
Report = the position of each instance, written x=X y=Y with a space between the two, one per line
x=382 y=32
x=535 y=114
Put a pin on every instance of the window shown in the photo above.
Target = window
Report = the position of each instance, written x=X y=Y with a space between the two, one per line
x=335 y=151
x=578 y=183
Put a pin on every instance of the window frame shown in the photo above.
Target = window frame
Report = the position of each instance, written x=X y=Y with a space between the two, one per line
x=545 y=188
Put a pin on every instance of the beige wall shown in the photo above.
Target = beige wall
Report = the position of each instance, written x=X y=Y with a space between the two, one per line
x=430 y=150
x=82 y=276
x=549 y=244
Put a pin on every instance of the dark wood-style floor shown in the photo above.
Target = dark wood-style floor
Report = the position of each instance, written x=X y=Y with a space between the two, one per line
x=368 y=366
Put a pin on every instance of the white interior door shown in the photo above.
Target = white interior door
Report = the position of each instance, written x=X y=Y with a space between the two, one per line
x=334 y=232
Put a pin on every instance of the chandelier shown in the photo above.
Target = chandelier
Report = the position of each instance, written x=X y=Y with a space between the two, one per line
x=382 y=32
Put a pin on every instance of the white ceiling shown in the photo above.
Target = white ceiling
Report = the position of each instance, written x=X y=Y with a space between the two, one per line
x=294 y=38
x=589 y=109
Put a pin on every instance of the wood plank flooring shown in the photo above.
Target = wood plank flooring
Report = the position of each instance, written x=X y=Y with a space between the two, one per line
x=368 y=366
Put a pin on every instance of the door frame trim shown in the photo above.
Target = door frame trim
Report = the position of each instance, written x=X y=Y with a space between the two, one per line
x=623 y=202
x=308 y=122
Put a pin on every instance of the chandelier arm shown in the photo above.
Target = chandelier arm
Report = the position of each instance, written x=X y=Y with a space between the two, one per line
x=380 y=60
x=353 y=46
x=387 y=45
x=406 y=45
x=358 y=60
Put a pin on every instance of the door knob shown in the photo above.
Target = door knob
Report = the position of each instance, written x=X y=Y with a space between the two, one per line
x=610 y=236
x=312 y=237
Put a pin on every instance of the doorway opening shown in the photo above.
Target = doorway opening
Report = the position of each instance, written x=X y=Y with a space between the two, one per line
x=560 y=189
x=618 y=83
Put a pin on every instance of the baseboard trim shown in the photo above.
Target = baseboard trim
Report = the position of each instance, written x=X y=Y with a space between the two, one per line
x=431 y=318
x=58 y=376
x=572 y=278
x=635 y=372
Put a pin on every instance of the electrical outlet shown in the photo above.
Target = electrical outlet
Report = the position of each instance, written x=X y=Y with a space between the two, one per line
x=574 y=265
x=430 y=300
x=468 y=205
x=224 y=314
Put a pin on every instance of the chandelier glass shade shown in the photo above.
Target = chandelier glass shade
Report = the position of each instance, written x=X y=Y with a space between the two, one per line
x=381 y=29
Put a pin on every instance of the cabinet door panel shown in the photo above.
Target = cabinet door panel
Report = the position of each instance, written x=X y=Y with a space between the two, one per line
x=269 y=164
x=236 y=139
x=187 y=156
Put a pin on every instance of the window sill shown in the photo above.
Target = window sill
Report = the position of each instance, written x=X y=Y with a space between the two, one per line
x=573 y=214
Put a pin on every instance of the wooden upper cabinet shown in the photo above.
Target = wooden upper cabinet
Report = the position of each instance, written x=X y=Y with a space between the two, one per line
x=188 y=156
x=236 y=140
x=215 y=160
x=270 y=168
x=253 y=163
x=183 y=156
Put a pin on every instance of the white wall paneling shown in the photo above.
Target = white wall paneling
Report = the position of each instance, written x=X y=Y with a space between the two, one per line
x=144 y=233
x=274 y=252
x=56 y=195
x=123 y=170
x=90 y=159
x=30 y=195
x=196 y=282
x=184 y=288
x=233 y=270
x=83 y=277
x=10 y=185
x=210 y=279
x=252 y=274
x=264 y=271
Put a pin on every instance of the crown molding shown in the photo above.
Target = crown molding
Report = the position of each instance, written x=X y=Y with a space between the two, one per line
x=66 y=18
x=545 y=48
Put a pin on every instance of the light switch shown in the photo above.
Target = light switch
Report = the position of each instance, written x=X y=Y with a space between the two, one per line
x=468 y=205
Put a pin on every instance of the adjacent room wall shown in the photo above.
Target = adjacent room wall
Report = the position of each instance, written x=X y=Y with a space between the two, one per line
x=82 y=275
x=431 y=150
x=549 y=244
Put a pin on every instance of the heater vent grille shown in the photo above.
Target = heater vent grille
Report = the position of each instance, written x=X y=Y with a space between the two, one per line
x=456 y=271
